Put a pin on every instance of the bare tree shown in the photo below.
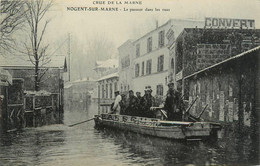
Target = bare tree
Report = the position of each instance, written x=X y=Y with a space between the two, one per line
x=11 y=19
x=100 y=47
x=37 y=53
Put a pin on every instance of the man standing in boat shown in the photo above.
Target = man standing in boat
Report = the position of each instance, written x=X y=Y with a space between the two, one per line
x=116 y=107
x=132 y=104
x=138 y=105
x=173 y=104
x=148 y=102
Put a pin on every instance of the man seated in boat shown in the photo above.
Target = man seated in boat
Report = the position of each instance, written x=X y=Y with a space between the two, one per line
x=116 y=107
x=148 y=101
x=173 y=104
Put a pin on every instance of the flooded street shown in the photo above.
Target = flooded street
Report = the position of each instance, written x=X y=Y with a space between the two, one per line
x=84 y=145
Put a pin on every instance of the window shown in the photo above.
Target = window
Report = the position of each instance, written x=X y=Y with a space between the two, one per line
x=103 y=92
x=159 y=90
x=125 y=62
x=142 y=68
x=111 y=90
x=161 y=39
x=160 y=63
x=137 y=50
x=149 y=66
x=137 y=70
x=115 y=87
x=149 y=44
x=106 y=90
x=99 y=91
x=172 y=63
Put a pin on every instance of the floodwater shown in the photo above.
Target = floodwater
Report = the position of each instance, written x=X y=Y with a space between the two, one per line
x=60 y=145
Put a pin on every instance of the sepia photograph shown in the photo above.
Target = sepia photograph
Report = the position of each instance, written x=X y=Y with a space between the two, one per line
x=129 y=82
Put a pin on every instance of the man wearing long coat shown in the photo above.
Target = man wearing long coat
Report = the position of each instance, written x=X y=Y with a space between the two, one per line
x=174 y=104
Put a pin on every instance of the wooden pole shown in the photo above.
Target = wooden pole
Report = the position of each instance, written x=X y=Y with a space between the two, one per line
x=33 y=111
x=81 y=122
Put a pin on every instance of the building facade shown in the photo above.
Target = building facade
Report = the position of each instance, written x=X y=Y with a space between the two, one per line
x=106 y=67
x=77 y=94
x=197 y=48
x=149 y=57
x=125 y=67
x=229 y=92
x=107 y=86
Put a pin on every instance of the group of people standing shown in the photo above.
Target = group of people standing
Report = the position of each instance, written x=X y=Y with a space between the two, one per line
x=141 y=105
x=134 y=105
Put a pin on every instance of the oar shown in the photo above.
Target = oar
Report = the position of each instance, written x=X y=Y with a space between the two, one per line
x=81 y=122
x=202 y=111
x=188 y=109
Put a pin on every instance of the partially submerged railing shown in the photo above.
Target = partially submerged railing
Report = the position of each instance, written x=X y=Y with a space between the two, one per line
x=39 y=109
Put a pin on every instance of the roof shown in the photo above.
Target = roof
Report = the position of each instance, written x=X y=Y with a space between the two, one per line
x=129 y=41
x=113 y=75
x=84 y=80
x=225 y=61
x=210 y=30
x=23 y=61
x=110 y=63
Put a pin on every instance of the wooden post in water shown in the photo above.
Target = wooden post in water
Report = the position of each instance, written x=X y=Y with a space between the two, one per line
x=24 y=108
x=34 y=125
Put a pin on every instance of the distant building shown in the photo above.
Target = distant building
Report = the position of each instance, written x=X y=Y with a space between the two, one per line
x=106 y=67
x=77 y=94
x=149 y=58
x=107 y=83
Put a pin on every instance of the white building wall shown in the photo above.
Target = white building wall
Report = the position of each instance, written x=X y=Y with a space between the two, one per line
x=126 y=74
x=107 y=99
x=155 y=78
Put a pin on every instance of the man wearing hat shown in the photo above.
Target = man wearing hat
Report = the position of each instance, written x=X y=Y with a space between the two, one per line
x=132 y=104
x=148 y=102
x=116 y=107
x=173 y=104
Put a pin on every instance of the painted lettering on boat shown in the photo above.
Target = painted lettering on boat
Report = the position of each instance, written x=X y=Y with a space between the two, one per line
x=125 y=118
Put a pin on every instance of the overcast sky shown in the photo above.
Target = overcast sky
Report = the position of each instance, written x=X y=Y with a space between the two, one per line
x=119 y=26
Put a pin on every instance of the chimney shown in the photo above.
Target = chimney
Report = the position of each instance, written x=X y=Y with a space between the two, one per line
x=156 y=24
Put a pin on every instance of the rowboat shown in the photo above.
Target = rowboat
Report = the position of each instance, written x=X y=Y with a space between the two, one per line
x=157 y=127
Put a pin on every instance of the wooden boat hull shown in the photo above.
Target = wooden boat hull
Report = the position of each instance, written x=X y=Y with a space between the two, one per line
x=158 y=128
